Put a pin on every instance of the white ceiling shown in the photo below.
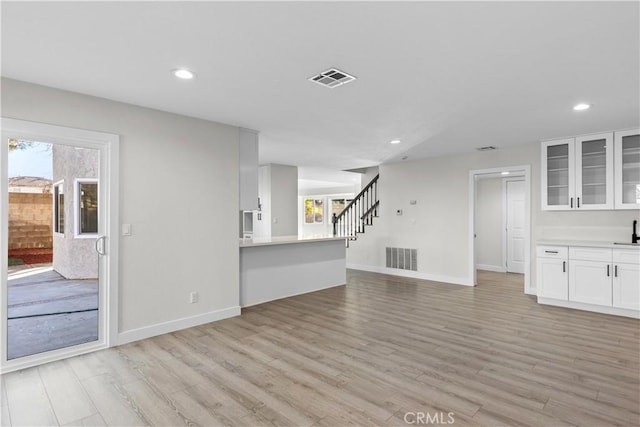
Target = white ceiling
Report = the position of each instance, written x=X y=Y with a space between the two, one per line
x=442 y=77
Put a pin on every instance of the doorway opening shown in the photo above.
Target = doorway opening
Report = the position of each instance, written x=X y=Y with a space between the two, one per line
x=56 y=261
x=52 y=282
x=499 y=215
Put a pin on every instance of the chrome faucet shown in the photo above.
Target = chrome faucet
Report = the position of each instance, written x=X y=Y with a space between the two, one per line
x=634 y=236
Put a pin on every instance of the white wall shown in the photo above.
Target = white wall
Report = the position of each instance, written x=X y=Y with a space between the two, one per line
x=328 y=191
x=179 y=190
x=368 y=174
x=283 y=195
x=489 y=212
x=438 y=225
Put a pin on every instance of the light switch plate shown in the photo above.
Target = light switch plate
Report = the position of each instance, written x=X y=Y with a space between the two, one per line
x=126 y=229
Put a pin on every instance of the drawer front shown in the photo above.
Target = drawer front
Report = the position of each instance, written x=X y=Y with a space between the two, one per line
x=558 y=252
x=590 y=254
x=626 y=256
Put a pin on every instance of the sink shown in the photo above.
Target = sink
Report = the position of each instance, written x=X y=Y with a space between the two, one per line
x=628 y=244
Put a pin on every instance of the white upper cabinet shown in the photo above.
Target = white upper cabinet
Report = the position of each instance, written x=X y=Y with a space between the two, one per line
x=594 y=171
x=558 y=174
x=577 y=173
x=627 y=169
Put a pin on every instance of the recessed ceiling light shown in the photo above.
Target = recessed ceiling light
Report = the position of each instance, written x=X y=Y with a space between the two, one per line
x=183 y=73
x=395 y=141
x=582 y=107
x=505 y=173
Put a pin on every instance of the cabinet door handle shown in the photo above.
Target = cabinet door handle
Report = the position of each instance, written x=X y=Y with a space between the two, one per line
x=550 y=252
x=564 y=266
x=572 y=203
x=578 y=201
x=615 y=271
x=608 y=274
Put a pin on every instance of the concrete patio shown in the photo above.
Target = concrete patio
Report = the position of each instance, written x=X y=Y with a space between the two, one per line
x=47 y=311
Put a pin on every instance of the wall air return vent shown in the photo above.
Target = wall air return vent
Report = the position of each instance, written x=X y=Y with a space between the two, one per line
x=402 y=258
x=332 y=78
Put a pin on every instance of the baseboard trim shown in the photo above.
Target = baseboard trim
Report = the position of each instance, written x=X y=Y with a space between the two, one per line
x=412 y=274
x=635 y=314
x=176 y=325
x=489 y=267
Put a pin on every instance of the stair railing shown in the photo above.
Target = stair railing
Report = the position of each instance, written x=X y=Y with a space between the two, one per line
x=358 y=213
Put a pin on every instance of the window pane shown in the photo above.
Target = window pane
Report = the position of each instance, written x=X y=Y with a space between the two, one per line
x=319 y=210
x=59 y=209
x=88 y=207
x=337 y=206
x=308 y=211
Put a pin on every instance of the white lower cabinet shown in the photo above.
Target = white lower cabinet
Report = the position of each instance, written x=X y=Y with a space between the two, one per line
x=590 y=278
x=626 y=286
x=590 y=282
x=553 y=278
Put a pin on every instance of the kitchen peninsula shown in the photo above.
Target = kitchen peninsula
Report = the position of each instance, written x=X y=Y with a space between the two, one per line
x=279 y=267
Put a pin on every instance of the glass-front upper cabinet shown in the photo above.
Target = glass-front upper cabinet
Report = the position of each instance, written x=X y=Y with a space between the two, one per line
x=558 y=174
x=594 y=171
x=577 y=173
x=627 y=167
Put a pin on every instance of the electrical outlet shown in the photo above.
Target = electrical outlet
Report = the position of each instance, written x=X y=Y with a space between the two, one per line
x=193 y=297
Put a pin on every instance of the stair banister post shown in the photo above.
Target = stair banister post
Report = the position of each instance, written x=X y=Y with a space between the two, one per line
x=334 y=220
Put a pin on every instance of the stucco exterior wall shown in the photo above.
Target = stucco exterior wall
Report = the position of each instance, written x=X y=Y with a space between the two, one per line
x=74 y=257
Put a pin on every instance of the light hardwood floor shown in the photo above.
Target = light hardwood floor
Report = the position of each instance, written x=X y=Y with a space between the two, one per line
x=363 y=354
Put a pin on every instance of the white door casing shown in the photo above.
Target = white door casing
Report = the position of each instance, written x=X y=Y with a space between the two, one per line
x=522 y=170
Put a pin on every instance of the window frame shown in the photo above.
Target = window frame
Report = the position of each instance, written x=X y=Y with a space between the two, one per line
x=346 y=200
x=56 y=208
x=324 y=209
x=77 y=233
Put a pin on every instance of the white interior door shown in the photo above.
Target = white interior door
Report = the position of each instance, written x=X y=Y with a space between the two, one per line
x=515 y=225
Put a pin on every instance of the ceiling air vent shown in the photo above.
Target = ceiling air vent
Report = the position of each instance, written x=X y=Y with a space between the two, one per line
x=332 y=78
x=487 y=148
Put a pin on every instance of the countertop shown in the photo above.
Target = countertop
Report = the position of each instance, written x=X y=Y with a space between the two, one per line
x=587 y=243
x=286 y=240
